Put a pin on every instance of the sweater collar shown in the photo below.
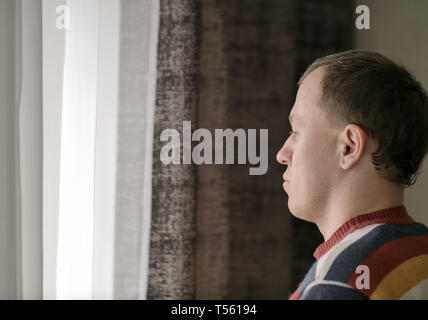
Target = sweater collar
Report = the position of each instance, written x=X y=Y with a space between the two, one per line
x=395 y=215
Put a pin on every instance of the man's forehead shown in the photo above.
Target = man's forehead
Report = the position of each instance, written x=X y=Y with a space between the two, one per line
x=307 y=97
x=311 y=87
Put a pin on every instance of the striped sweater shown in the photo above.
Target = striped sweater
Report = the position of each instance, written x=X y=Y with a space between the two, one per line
x=378 y=255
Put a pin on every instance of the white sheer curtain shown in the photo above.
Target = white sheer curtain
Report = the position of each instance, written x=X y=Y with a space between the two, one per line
x=80 y=130
x=60 y=73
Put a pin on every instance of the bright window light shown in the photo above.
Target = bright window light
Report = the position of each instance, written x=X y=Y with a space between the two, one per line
x=76 y=203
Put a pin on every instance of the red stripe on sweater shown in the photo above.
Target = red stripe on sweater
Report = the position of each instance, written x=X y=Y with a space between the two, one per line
x=396 y=215
x=385 y=259
x=295 y=295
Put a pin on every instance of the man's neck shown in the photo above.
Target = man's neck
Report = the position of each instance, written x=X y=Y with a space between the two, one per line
x=353 y=204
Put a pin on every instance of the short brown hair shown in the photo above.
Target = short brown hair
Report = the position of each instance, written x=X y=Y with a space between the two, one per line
x=381 y=97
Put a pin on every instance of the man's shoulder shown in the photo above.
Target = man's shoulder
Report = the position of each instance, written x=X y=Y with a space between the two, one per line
x=381 y=257
x=375 y=237
x=369 y=262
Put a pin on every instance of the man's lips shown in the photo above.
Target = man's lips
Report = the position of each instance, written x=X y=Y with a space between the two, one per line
x=285 y=179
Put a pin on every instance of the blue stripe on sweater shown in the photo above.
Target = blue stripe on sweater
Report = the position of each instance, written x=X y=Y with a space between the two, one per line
x=347 y=261
x=332 y=292
x=309 y=278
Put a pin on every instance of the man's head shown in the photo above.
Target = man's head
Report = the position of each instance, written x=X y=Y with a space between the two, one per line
x=362 y=118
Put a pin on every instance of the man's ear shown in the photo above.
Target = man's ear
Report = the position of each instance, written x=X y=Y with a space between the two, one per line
x=352 y=144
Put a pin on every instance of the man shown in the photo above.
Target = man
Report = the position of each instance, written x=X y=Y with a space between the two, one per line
x=359 y=135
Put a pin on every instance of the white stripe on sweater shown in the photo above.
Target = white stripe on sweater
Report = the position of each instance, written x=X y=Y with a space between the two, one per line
x=418 y=292
x=327 y=260
x=328 y=282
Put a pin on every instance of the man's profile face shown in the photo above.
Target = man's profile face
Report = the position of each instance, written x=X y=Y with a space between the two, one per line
x=310 y=152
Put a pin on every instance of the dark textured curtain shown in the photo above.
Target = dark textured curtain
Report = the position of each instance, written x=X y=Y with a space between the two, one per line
x=217 y=232
x=173 y=228
x=247 y=69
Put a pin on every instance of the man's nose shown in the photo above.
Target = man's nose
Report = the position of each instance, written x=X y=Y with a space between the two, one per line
x=283 y=155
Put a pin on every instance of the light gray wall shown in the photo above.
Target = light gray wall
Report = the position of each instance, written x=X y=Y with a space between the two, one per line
x=8 y=245
x=399 y=29
x=29 y=229
x=20 y=150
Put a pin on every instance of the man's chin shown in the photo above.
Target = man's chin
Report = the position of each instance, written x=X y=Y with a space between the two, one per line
x=299 y=214
x=285 y=186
